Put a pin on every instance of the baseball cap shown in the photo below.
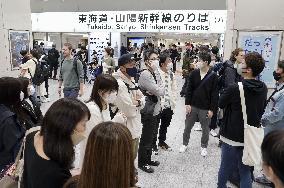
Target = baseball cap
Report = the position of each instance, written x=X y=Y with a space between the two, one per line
x=124 y=59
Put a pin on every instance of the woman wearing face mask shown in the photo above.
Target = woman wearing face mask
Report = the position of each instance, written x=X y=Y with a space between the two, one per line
x=31 y=114
x=11 y=131
x=104 y=93
x=108 y=161
x=49 y=153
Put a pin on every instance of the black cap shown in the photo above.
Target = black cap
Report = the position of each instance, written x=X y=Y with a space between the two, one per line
x=124 y=59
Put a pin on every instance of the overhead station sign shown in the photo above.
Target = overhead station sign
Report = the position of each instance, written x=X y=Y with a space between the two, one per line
x=189 y=21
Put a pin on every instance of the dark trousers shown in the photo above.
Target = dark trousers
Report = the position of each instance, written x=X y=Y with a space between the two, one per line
x=213 y=124
x=201 y=115
x=53 y=68
x=156 y=124
x=46 y=85
x=145 y=146
x=231 y=158
x=71 y=93
x=166 y=118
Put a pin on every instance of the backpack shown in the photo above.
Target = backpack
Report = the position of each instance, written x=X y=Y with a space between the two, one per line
x=41 y=73
x=220 y=68
x=52 y=55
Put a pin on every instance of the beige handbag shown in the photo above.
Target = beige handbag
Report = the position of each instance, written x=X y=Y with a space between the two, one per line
x=13 y=176
x=253 y=137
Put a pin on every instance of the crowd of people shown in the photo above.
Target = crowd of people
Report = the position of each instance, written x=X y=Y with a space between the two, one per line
x=128 y=113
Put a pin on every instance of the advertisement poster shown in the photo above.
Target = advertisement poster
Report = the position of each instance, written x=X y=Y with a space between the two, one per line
x=268 y=45
x=19 y=40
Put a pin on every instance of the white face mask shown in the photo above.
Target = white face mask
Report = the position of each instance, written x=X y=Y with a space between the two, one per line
x=110 y=99
x=32 y=90
x=170 y=67
x=155 y=64
x=22 y=96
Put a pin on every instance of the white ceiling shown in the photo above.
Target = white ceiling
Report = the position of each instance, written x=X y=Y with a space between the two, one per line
x=112 y=5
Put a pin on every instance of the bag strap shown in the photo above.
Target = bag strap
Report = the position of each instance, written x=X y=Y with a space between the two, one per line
x=33 y=129
x=205 y=79
x=243 y=103
x=274 y=92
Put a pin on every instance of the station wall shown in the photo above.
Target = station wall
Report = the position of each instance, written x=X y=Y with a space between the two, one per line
x=11 y=18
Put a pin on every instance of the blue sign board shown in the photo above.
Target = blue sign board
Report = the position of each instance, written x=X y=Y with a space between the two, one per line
x=268 y=45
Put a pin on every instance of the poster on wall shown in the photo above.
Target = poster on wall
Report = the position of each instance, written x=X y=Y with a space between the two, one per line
x=268 y=45
x=18 y=40
x=98 y=41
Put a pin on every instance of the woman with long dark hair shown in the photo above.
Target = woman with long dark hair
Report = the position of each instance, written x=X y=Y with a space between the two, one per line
x=11 y=131
x=103 y=94
x=49 y=154
x=108 y=161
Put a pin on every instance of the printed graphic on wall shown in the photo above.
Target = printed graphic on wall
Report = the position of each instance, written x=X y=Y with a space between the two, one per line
x=19 y=40
x=268 y=45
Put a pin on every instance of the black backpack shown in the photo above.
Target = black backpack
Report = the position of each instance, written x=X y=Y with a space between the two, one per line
x=220 y=71
x=41 y=73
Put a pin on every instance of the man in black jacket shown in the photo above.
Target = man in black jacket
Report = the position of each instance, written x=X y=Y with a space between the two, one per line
x=232 y=130
x=201 y=101
x=53 y=56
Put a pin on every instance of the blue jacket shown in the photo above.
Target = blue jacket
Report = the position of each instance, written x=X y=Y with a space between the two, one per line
x=273 y=117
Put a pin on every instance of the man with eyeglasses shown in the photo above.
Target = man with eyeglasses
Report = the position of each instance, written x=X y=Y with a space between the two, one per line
x=152 y=87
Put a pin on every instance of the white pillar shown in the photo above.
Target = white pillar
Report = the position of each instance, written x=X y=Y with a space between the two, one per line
x=231 y=33
x=17 y=19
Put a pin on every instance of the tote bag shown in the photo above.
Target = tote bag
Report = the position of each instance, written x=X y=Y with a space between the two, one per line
x=253 y=137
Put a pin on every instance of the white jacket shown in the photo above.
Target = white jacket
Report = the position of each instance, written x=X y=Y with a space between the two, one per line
x=172 y=89
x=125 y=104
x=97 y=117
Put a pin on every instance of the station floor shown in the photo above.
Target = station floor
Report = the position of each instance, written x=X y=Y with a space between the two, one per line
x=186 y=170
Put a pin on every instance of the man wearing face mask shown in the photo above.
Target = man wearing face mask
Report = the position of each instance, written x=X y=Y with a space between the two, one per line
x=201 y=101
x=153 y=88
x=129 y=99
x=273 y=117
x=232 y=129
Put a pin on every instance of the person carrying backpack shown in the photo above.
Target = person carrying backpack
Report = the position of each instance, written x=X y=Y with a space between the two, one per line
x=130 y=99
x=53 y=56
x=229 y=72
x=71 y=74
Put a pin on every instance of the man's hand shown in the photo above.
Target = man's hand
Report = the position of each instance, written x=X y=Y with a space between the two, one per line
x=210 y=114
x=188 y=109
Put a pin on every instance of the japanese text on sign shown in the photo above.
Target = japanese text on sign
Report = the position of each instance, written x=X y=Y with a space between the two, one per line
x=194 y=21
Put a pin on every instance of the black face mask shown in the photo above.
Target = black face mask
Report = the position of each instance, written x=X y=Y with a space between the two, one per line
x=277 y=76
